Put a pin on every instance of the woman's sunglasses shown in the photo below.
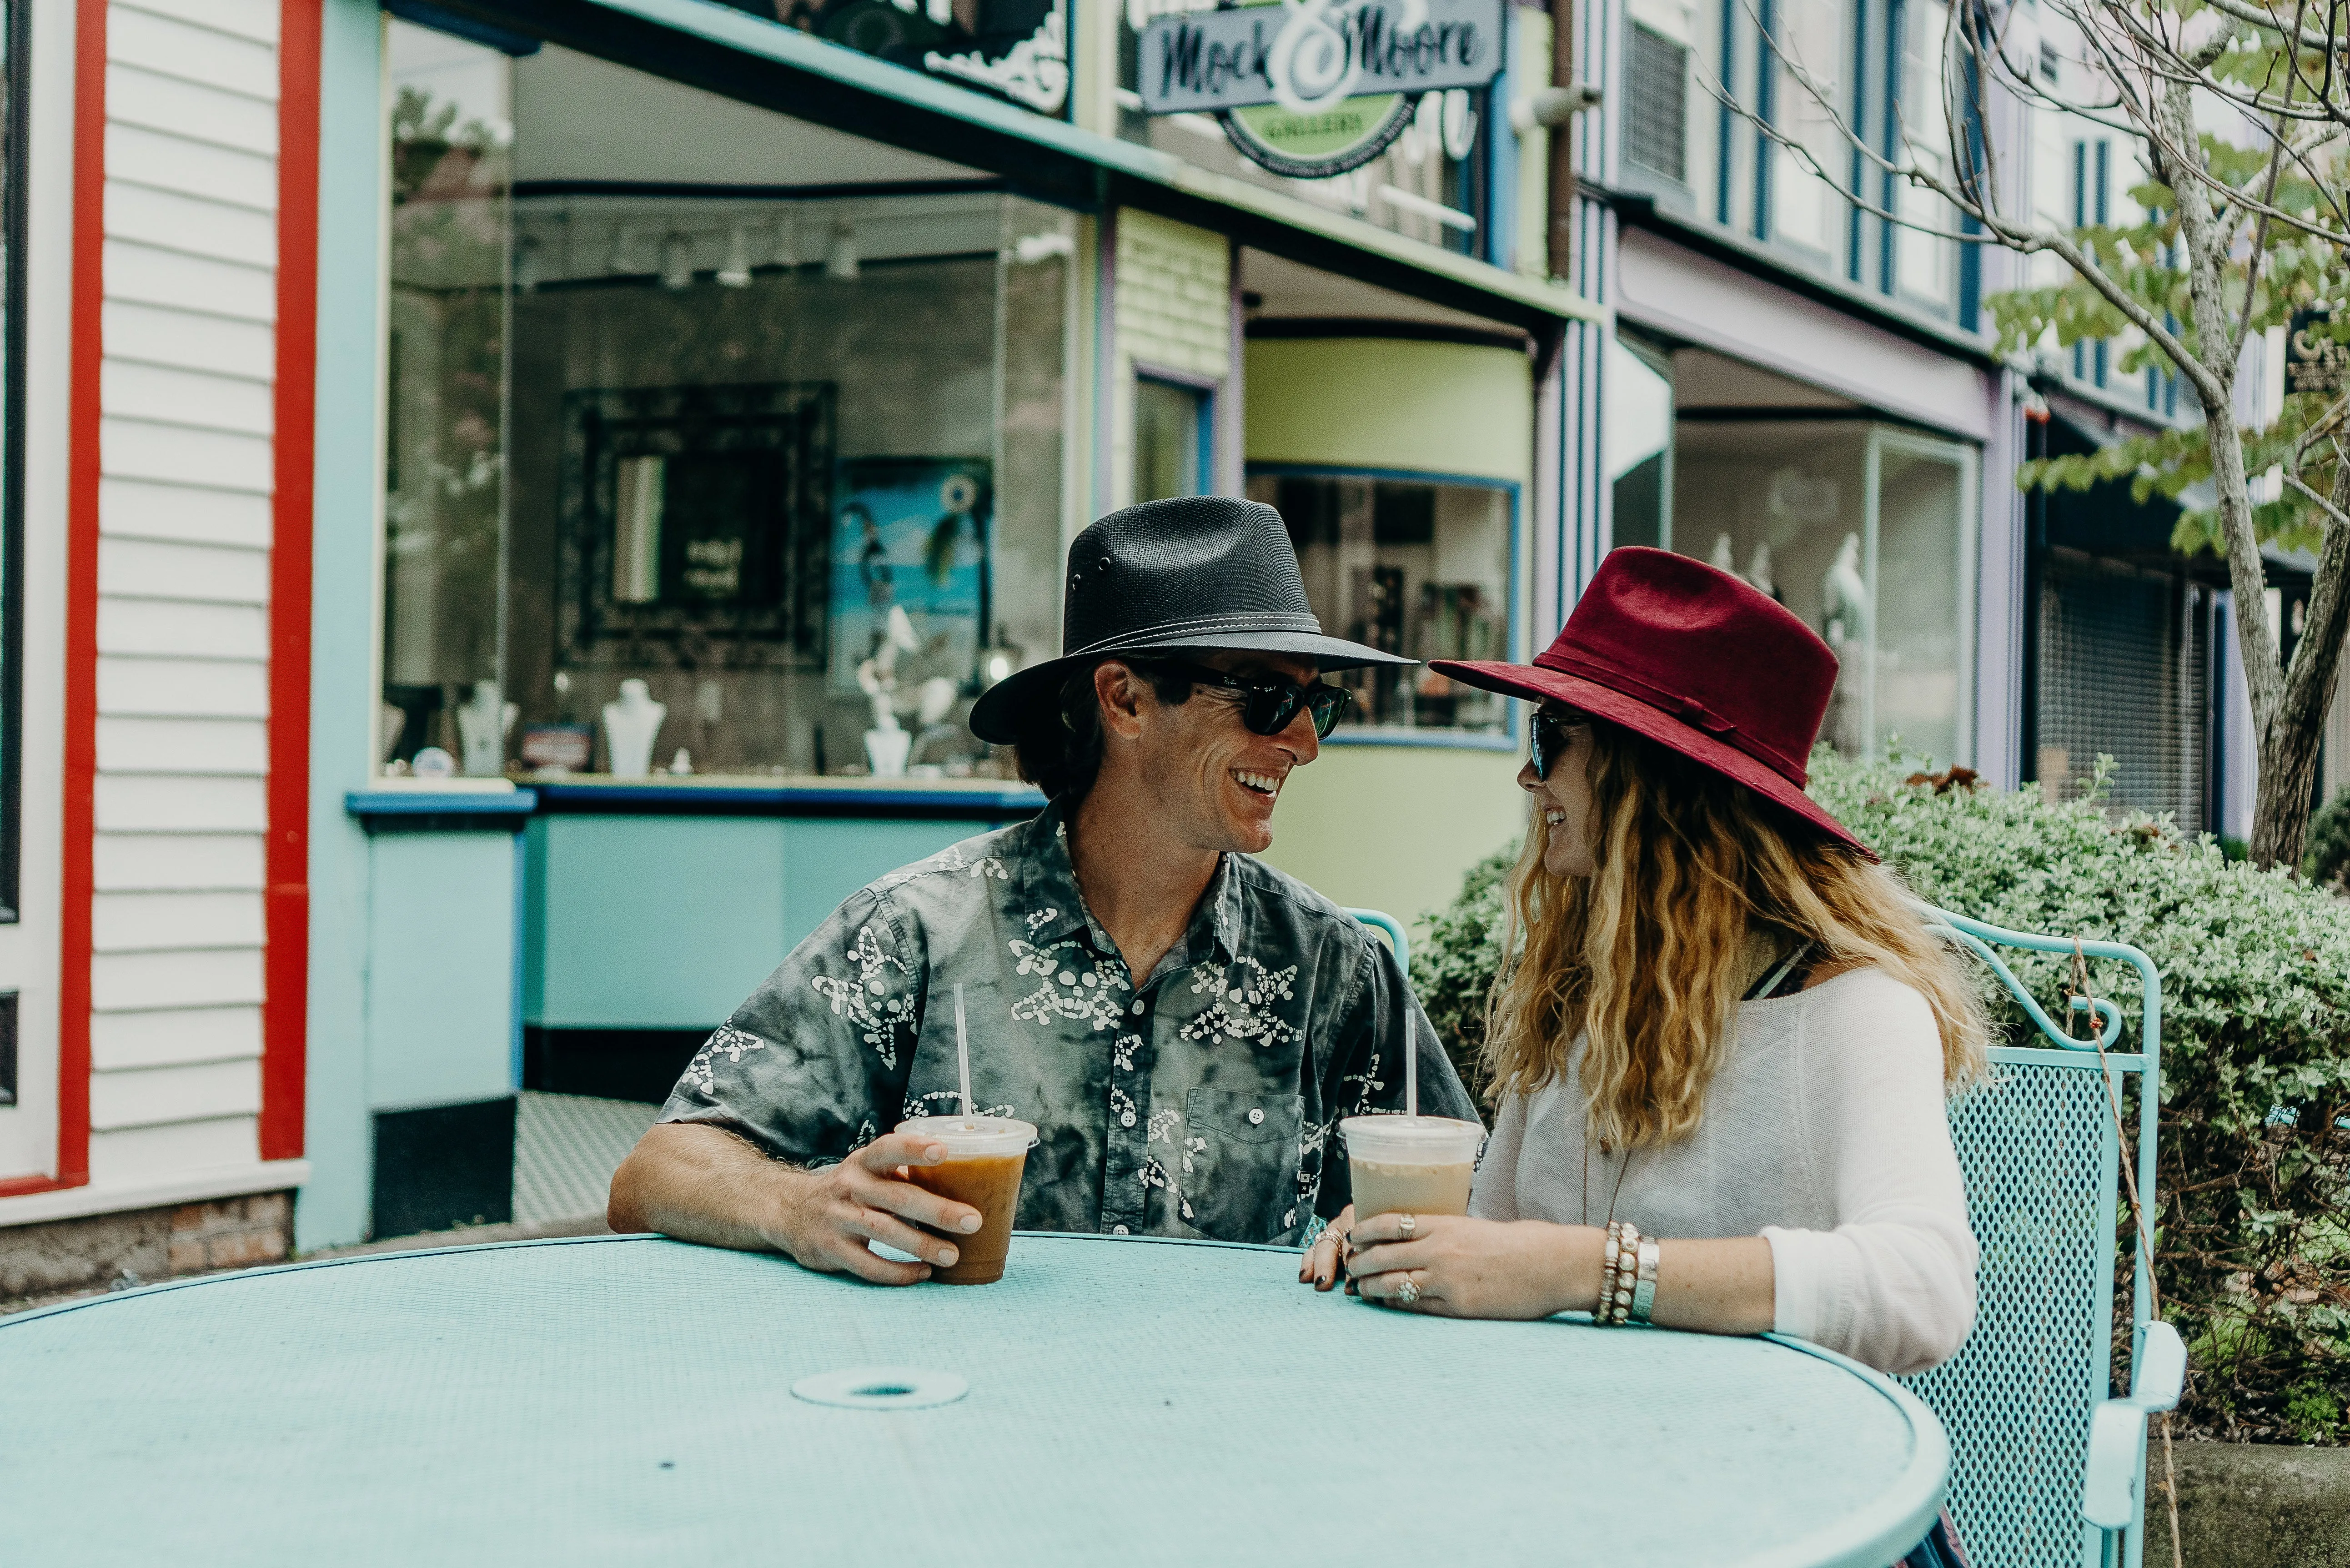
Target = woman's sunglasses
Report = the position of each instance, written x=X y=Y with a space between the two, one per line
x=1553 y=733
x=1269 y=704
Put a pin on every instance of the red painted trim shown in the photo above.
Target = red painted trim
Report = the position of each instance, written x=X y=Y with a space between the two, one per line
x=285 y=1014
x=80 y=751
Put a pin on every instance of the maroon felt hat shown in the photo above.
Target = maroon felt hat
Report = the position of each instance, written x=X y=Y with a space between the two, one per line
x=1694 y=658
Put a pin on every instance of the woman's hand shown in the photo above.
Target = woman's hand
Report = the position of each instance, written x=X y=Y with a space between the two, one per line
x=1459 y=1267
x=1324 y=1264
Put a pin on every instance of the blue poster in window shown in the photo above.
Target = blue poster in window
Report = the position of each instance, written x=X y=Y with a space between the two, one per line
x=909 y=574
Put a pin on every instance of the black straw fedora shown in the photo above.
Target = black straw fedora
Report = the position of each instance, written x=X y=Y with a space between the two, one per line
x=1203 y=572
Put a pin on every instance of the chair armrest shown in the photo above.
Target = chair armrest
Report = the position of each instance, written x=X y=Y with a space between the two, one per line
x=2109 y=1491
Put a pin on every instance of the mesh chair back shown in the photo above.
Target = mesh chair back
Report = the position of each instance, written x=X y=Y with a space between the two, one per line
x=2037 y=1147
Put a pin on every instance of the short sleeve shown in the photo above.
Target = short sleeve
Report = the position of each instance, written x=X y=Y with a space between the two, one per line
x=815 y=1063
x=1382 y=1022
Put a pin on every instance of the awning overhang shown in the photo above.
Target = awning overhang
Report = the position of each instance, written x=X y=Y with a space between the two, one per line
x=755 y=61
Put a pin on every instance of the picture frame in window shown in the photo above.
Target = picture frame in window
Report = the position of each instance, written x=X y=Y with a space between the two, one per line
x=917 y=535
x=692 y=516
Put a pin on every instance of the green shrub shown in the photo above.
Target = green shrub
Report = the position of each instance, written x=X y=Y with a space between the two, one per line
x=2252 y=1253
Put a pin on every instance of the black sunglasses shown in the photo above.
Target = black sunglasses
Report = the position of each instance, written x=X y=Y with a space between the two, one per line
x=1269 y=704
x=1550 y=737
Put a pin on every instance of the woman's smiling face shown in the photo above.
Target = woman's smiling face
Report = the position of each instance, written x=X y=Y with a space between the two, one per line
x=1565 y=798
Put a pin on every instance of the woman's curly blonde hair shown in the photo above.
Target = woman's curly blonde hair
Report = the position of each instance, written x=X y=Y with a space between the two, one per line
x=1643 y=960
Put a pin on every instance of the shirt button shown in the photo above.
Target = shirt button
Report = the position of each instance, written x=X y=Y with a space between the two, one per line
x=1138 y=1008
x=1117 y=1230
x=1256 y=1118
x=1126 y=1118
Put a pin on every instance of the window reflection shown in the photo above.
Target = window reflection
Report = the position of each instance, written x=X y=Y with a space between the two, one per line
x=762 y=469
x=1418 y=568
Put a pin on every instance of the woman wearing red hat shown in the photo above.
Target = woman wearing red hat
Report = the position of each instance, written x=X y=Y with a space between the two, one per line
x=1722 y=1039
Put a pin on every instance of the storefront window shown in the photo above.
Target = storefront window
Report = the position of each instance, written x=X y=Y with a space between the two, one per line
x=1420 y=567
x=1865 y=533
x=717 y=480
x=1172 y=436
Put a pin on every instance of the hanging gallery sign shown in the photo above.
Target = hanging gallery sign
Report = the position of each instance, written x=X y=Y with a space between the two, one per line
x=1312 y=89
x=2315 y=359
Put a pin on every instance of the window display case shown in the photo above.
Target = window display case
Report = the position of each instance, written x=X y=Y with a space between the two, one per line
x=771 y=468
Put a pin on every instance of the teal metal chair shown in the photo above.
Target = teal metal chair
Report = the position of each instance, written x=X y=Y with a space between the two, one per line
x=1391 y=929
x=2047 y=1469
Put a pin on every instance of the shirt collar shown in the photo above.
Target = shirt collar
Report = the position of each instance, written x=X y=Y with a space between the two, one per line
x=1049 y=888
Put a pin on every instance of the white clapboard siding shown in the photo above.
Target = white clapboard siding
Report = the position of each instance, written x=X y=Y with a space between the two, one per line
x=182 y=746
x=153 y=336
x=172 y=627
x=132 y=983
x=238 y=18
x=171 y=162
x=173 y=220
x=186 y=465
x=183 y=687
x=208 y=55
x=128 y=862
x=151 y=803
x=167 y=395
x=156 y=1096
x=139 y=568
x=134 y=508
x=136 y=1156
x=152 y=450
x=147 y=922
x=177 y=106
x=152 y=275
x=171 y=1037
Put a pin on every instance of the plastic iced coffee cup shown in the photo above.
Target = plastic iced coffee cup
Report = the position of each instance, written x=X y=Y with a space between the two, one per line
x=983 y=1161
x=1410 y=1165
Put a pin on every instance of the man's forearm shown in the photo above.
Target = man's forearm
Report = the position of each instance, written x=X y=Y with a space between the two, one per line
x=702 y=1183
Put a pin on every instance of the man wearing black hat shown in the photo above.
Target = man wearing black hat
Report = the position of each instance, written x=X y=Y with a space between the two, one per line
x=1183 y=1024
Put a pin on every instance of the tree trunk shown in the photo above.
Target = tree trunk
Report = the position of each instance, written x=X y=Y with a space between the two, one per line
x=2281 y=804
x=2289 y=744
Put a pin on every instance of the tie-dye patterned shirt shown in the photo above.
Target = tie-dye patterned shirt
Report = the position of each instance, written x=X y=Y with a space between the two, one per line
x=1201 y=1103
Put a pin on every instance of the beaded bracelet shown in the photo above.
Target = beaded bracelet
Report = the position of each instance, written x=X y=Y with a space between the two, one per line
x=1644 y=1288
x=1619 y=1274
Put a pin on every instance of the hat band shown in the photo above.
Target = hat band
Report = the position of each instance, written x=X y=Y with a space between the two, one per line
x=1687 y=709
x=1209 y=625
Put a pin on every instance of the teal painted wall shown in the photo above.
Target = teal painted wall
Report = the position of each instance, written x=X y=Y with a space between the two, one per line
x=440 y=968
x=332 y=1207
x=667 y=922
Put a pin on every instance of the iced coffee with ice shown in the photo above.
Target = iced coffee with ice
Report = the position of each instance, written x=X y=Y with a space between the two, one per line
x=985 y=1159
x=1410 y=1165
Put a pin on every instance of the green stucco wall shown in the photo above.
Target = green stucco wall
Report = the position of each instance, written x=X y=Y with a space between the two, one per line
x=1375 y=402
x=1394 y=827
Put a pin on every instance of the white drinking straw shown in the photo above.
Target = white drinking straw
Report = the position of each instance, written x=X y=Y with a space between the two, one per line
x=1411 y=1077
x=962 y=1053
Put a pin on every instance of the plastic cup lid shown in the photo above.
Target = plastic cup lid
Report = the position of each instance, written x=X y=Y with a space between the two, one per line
x=973 y=1137
x=1439 y=1140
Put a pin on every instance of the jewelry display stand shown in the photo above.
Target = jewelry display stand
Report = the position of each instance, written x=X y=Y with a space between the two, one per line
x=631 y=725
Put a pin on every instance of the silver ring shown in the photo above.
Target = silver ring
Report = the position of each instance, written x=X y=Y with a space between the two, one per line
x=1407 y=1293
x=1406 y=1224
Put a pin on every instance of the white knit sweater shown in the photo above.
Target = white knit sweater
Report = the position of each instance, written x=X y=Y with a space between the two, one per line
x=1825 y=1132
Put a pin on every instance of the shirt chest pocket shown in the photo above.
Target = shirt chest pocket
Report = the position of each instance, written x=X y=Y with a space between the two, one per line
x=1239 y=1163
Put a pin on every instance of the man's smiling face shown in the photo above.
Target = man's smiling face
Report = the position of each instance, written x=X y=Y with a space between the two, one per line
x=1213 y=783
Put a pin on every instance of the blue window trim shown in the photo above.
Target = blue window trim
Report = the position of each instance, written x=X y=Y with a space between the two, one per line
x=1511 y=736
x=1204 y=389
x=18 y=68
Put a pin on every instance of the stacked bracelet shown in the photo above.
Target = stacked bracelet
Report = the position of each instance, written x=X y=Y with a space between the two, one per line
x=1619 y=1274
x=1644 y=1283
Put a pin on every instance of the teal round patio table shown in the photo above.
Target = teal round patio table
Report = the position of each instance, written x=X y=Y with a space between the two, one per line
x=629 y=1400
